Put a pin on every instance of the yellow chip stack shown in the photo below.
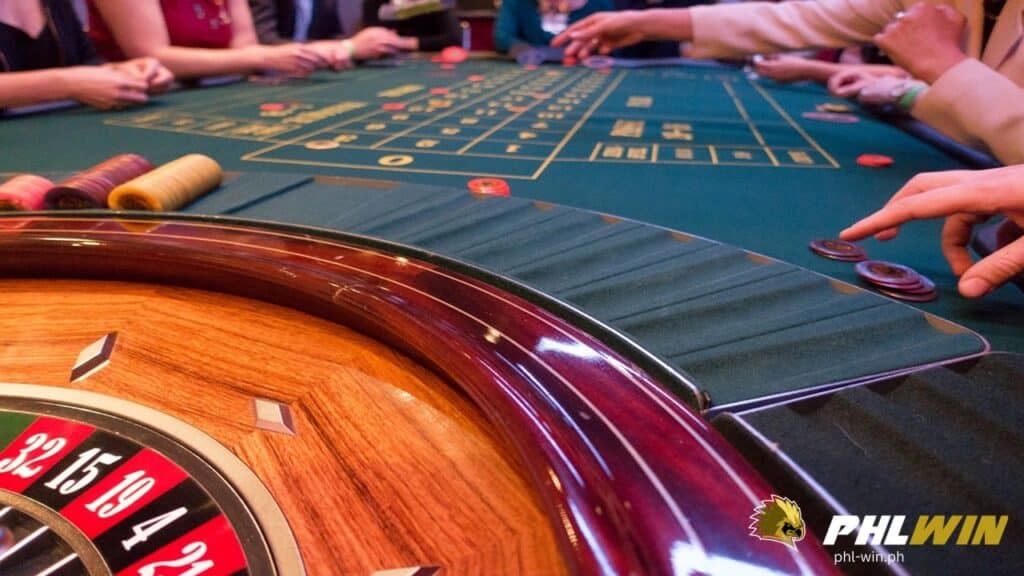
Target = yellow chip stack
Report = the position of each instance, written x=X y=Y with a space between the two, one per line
x=170 y=186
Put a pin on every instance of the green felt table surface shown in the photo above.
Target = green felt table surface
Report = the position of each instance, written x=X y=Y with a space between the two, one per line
x=700 y=149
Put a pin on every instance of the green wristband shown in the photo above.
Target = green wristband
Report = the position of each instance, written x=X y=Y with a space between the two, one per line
x=906 y=101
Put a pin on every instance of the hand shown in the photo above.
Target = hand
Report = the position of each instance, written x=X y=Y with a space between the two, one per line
x=794 y=69
x=337 y=57
x=965 y=198
x=156 y=76
x=375 y=42
x=103 y=87
x=925 y=41
x=295 y=60
x=408 y=43
x=849 y=82
x=602 y=33
x=886 y=90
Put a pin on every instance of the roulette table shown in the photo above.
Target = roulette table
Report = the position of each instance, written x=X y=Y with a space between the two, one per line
x=343 y=362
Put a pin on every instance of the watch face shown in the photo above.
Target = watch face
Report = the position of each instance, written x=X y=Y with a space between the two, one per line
x=87 y=488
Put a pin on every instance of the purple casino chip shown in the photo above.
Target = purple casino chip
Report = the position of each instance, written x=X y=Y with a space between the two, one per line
x=838 y=250
x=888 y=274
x=598 y=62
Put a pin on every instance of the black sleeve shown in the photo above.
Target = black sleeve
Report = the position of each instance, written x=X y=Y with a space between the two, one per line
x=443 y=30
x=264 y=19
x=371 y=13
x=71 y=35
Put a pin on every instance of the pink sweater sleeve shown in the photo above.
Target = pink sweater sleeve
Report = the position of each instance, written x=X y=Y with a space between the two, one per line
x=978 y=106
x=734 y=30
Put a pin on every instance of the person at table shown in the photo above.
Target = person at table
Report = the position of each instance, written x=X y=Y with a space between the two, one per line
x=329 y=25
x=964 y=198
x=427 y=32
x=522 y=24
x=46 y=57
x=973 y=95
x=197 y=38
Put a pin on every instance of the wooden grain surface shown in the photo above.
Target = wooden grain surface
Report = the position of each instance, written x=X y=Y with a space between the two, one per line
x=391 y=466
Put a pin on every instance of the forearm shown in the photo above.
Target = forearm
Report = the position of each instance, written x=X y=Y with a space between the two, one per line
x=188 y=63
x=733 y=30
x=36 y=87
x=978 y=106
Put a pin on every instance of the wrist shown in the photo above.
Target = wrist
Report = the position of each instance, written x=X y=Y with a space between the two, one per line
x=348 y=49
x=933 y=68
x=666 y=24
x=907 y=94
x=64 y=80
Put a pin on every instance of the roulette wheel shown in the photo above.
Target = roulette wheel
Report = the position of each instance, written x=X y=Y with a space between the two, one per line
x=211 y=396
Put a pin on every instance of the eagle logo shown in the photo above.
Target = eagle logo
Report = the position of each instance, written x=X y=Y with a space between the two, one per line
x=778 y=519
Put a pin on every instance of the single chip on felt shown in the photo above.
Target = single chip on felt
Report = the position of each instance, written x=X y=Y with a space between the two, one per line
x=489 y=187
x=833 y=117
x=475 y=78
x=321 y=144
x=273 y=106
x=888 y=274
x=838 y=250
x=439 y=91
x=833 y=107
x=598 y=61
x=874 y=160
x=454 y=55
x=392 y=106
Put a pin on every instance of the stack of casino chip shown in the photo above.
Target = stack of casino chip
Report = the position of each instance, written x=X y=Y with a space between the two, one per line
x=170 y=186
x=24 y=192
x=90 y=188
x=897 y=281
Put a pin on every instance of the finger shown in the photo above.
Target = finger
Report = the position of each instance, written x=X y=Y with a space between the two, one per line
x=994 y=270
x=129 y=84
x=931 y=204
x=926 y=181
x=956 y=236
x=127 y=97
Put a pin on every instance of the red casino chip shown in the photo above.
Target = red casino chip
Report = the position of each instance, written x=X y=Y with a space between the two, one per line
x=489 y=187
x=392 y=106
x=476 y=78
x=454 y=55
x=874 y=160
x=439 y=91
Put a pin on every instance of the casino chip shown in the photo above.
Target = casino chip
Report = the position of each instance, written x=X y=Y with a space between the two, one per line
x=897 y=281
x=489 y=187
x=833 y=107
x=454 y=55
x=90 y=188
x=438 y=91
x=321 y=144
x=834 y=117
x=392 y=106
x=475 y=78
x=874 y=160
x=598 y=62
x=838 y=250
x=170 y=186
x=24 y=192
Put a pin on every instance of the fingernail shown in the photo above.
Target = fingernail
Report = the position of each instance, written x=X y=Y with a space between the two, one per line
x=974 y=287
